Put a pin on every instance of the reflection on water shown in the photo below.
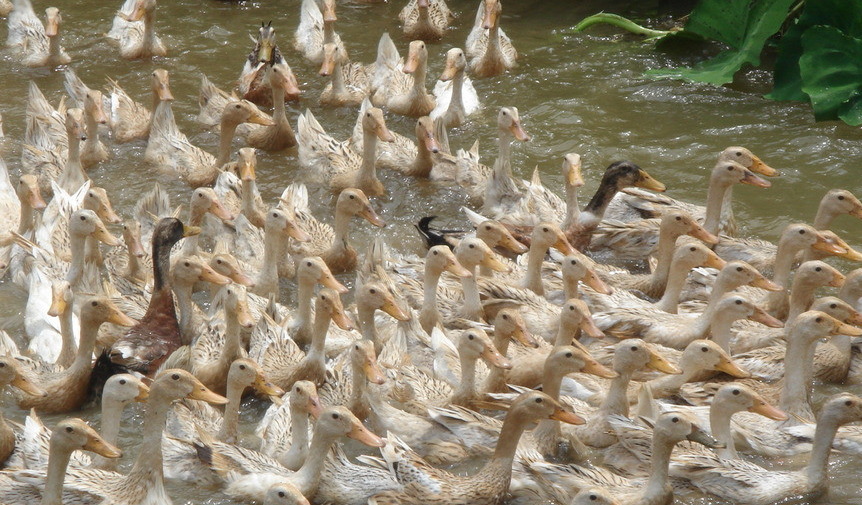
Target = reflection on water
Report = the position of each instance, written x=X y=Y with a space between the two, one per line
x=576 y=92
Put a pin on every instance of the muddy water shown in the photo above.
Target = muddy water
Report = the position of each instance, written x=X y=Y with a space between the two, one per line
x=581 y=93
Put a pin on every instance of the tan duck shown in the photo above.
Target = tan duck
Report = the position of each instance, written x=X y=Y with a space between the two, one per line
x=204 y=201
x=284 y=428
x=438 y=260
x=252 y=84
x=745 y=482
x=261 y=249
x=134 y=31
x=13 y=374
x=425 y=19
x=310 y=271
x=119 y=391
x=833 y=204
x=67 y=388
x=316 y=29
x=49 y=167
x=188 y=271
x=19 y=201
x=332 y=243
x=490 y=484
x=46 y=486
x=278 y=136
x=490 y=50
x=171 y=151
x=131 y=120
x=348 y=85
x=144 y=483
x=347 y=382
x=40 y=44
x=404 y=92
x=455 y=94
x=93 y=151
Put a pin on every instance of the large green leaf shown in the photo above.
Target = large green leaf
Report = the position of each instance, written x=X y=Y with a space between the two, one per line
x=745 y=32
x=831 y=71
x=846 y=15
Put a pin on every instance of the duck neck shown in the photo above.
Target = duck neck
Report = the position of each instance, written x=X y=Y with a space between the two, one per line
x=77 y=244
x=510 y=434
x=92 y=128
x=305 y=293
x=801 y=297
x=496 y=379
x=69 y=347
x=73 y=175
x=616 y=401
x=294 y=456
x=533 y=274
x=328 y=32
x=161 y=265
x=228 y=129
x=367 y=328
x=279 y=114
x=54 y=48
x=719 y=425
x=423 y=163
x=669 y=384
x=148 y=467
x=112 y=412
x=714 y=204
x=149 y=38
x=367 y=171
x=183 y=292
x=794 y=394
x=664 y=260
x=25 y=223
x=317 y=351
x=419 y=80
x=673 y=288
x=134 y=266
x=231 y=349
x=308 y=475
x=339 y=88
x=824 y=435
x=430 y=315
x=657 y=486
x=823 y=218
x=572 y=209
x=456 y=102
x=156 y=102
x=467 y=388
x=494 y=52
x=472 y=302
x=229 y=432
x=781 y=268
x=267 y=278
x=58 y=461
x=359 y=393
x=701 y=324
x=247 y=198
x=721 y=331
x=341 y=229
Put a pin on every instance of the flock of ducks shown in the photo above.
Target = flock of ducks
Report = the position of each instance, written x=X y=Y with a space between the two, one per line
x=613 y=336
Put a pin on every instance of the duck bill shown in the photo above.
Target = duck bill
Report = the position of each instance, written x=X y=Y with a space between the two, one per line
x=372 y=371
x=754 y=180
x=854 y=318
x=361 y=434
x=295 y=232
x=120 y=318
x=595 y=282
x=328 y=66
x=329 y=12
x=823 y=244
x=340 y=318
x=98 y=445
x=264 y=387
x=313 y=406
x=202 y=393
x=246 y=171
x=219 y=210
x=291 y=87
x=729 y=367
x=846 y=329
x=490 y=19
x=455 y=268
x=143 y=392
x=211 y=276
x=384 y=134
x=258 y=117
x=241 y=278
x=589 y=327
x=851 y=254
x=264 y=55
x=837 y=279
x=768 y=411
x=647 y=181
x=450 y=71
x=391 y=308
x=567 y=417
x=701 y=437
x=431 y=143
x=34 y=198
x=164 y=92
x=104 y=236
x=857 y=212
x=523 y=336
x=412 y=63
x=52 y=26
x=423 y=4
x=518 y=131
x=658 y=363
x=491 y=261
x=759 y=167
x=593 y=367
x=25 y=385
x=190 y=231
x=764 y=283
x=58 y=303
x=714 y=261
x=99 y=113
x=329 y=281
x=136 y=249
x=574 y=177
x=369 y=215
x=700 y=233
x=563 y=245
x=243 y=315
x=509 y=243
x=138 y=13
x=106 y=213
x=762 y=317
x=493 y=356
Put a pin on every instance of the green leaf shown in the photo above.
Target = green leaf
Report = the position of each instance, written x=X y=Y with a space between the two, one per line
x=831 y=71
x=621 y=22
x=846 y=15
x=745 y=31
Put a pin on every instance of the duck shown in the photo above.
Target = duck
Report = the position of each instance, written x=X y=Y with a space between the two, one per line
x=403 y=92
x=670 y=428
x=425 y=19
x=131 y=120
x=284 y=428
x=316 y=29
x=19 y=201
x=438 y=260
x=134 y=31
x=204 y=201
x=13 y=374
x=91 y=102
x=745 y=482
x=834 y=203
x=144 y=483
x=188 y=271
x=349 y=85
x=44 y=162
x=310 y=271
x=455 y=95
x=43 y=334
x=170 y=150
x=251 y=84
x=40 y=44
x=500 y=186
x=330 y=243
x=119 y=391
x=67 y=388
x=157 y=335
x=248 y=479
x=489 y=48
x=20 y=487
x=491 y=483
x=280 y=135
x=347 y=382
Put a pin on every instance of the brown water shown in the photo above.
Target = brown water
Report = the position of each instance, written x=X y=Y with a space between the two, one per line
x=581 y=93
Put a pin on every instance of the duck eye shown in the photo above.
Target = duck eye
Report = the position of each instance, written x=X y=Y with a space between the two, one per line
x=175 y=376
x=730 y=168
x=505 y=317
x=736 y=391
x=356 y=347
x=692 y=249
x=545 y=229
x=818 y=269
x=802 y=232
x=123 y=382
x=472 y=246
x=488 y=227
x=95 y=304
x=242 y=367
x=352 y=197
x=818 y=320
x=739 y=269
x=308 y=264
x=538 y=400
x=218 y=262
x=593 y=497
x=572 y=308
x=2 y=365
x=738 y=154
x=69 y=429
x=675 y=420
x=434 y=252
x=187 y=263
x=237 y=106
x=335 y=416
x=373 y=291
x=281 y=494
x=83 y=218
x=568 y=354
x=704 y=349
x=678 y=218
x=471 y=336
x=848 y=403
x=841 y=197
x=367 y=114
x=297 y=389
x=274 y=214
x=739 y=302
x=634 y=348
x=834 y=305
